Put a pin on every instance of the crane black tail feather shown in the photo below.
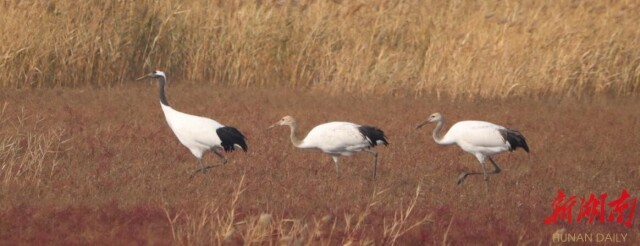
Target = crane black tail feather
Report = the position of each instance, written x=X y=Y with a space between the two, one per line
x=515 y=139
x=373 y=135
x=230 y=137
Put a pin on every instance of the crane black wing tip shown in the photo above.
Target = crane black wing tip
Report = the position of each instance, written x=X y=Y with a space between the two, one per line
x=373 y=135
x=230 y=137
x=383 y=140
x=525 y=147
x=515 y=139
x=244 y=146
x=231 y=147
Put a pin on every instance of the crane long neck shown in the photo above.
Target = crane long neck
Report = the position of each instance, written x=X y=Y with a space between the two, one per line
x=163 y=97
x=294 y=138
x=436 y=132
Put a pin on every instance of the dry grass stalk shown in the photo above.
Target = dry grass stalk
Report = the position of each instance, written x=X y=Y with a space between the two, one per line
x=29 y=155
x=465 y=50
x=399 y=225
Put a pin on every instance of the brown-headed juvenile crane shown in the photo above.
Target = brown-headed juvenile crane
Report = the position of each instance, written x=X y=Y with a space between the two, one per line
x=197 y=133
x=338 y=139
x=479 y=138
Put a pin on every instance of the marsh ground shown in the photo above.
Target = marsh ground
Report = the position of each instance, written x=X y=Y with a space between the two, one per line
x=110 y=170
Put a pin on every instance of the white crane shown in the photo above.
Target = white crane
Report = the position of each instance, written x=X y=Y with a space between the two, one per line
x=197 y=133
x=480 y=138
x=338 y=139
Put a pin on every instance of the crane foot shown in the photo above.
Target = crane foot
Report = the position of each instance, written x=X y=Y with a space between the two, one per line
x=203 y=170
x=462 y=177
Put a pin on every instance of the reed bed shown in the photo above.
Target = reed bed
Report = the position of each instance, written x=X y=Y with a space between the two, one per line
x=456 y=48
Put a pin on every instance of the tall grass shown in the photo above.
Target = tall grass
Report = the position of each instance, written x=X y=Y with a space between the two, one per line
x=458 y=48
x=29 y=155
x=218 y=224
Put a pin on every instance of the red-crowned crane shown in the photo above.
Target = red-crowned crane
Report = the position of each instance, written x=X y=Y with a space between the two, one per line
x=480 y=138
x=197 y=133
x=338 y=139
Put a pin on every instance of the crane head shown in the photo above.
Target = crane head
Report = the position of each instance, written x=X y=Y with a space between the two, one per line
x=435 y=117
x=154 y=74
x=285 y=121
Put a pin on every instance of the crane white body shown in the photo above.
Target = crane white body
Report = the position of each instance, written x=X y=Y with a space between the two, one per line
x=479 y=138
x=198 y=134
x=338 y=139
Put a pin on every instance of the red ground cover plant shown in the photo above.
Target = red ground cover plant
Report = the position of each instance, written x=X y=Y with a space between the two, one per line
x=101 y=166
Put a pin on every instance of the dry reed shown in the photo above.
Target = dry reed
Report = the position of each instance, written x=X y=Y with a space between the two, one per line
x=29 y=156
x=456 y=48
x=212 y=225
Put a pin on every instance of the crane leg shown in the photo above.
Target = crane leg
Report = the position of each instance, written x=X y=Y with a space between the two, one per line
x=335 y=160
x=201 y=165
x=201 y=169
x=204 y=168
x=219 y=154
x=375 y=161
x=484 y=172
x=486 y=178
x=497 y=168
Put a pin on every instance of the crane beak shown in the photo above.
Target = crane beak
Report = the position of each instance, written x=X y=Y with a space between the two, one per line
x=146 y=76
x=422 y=124
x=272 y=126
x=142 y=77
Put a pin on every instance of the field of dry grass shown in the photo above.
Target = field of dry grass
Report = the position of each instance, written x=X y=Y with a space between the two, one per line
x=487 y=49
x=100 y=165
x=86 y=156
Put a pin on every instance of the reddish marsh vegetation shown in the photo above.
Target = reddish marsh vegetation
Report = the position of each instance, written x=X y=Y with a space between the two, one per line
x=86 y=166
x=82 y=165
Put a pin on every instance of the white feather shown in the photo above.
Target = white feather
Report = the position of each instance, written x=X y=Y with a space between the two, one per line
x=477 y=137
x=194 y=132
x=336 y=138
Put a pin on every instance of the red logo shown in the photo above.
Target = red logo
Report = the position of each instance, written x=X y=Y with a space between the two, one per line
x=593 y=208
